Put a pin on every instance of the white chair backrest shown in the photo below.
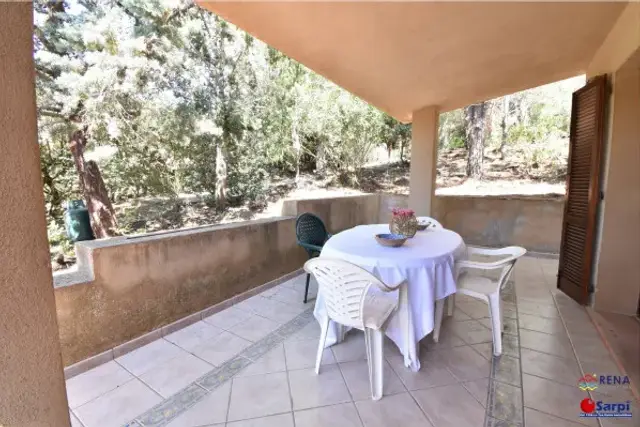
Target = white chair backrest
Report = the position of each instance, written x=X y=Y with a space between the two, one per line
x=344 y=287
x=506 y=264
x=427 y=219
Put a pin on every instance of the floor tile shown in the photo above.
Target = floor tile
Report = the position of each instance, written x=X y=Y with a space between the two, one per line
x=506 y=404
x=475 y=309
x=590 y=348
x=351 y=349
x=269 y=308
x=96 y=382
x=538 y=309
x=118 y=406
x=485 y=349
x=556 y=345
x=465 y=363
x=447 y=339
x=554 y=399
x=254 y=328
x=227 y=318
x=259 y=396
x=283 y=420
x=149 y=356
x=542 y=324
x=220 y=348
x=310 y=332
x=292 y=297
x=273 y=361
x=433 y=371
x=472 y=332
x=212 y=409
x=507 y=370
x=356 y=375
x=75 y=422
x=478 y=389
x=193 y=335
x=392 y=411
x=343 y=415
x=302 y=354
x=174 y=375
x=533 y=418
x=309 y=390
x=450 y=406
x=554 y=368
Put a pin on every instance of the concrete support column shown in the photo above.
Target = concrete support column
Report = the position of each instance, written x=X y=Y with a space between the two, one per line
x=424 y=155
x=32 y=391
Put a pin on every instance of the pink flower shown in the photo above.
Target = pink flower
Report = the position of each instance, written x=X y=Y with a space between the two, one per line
x=402 y=212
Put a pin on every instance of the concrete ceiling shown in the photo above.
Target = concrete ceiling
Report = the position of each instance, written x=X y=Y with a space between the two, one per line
x=402 y=56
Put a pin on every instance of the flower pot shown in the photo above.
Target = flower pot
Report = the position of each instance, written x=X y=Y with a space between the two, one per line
x=405 y=224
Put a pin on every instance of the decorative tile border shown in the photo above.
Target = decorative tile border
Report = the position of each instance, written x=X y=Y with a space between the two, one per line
x=127 y=347
x=180 y=402
x=505 y=405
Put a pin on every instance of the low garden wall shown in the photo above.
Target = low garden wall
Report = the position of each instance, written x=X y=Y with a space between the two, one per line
x=128 y=286
x=534 y=223
x=143 y=283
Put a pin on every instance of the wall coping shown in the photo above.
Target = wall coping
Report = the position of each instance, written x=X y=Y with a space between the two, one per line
x=551 y=197
x=83 y=272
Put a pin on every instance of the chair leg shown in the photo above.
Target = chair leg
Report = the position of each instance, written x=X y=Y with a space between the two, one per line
x=438 y=319
x=451 y=304
x=375 y=352
x=496 y=323
x=306 y=288
x=323 y=339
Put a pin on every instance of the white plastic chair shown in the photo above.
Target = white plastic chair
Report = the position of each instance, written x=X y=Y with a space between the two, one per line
x=485 y=288
x=345 y=290
x=434 y=225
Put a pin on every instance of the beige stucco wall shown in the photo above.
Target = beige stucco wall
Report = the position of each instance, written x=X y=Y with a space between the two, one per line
x=32 y=391
x=338 y=213
x=618 y=268
x=144 y=283
x=530 y=222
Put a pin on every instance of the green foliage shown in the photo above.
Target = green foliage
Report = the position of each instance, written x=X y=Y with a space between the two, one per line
x=165 y=90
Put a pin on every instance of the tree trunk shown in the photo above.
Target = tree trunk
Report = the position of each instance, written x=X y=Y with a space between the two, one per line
x=503 y=124
x=474 y=129
x=297 y=147
x=402 y=142
x=321 y=158
x=103 y=217
x=221 y=177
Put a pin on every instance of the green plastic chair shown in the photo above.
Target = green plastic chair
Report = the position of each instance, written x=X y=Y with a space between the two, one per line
x=311 y=234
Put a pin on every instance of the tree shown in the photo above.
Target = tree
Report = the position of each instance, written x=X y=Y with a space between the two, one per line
x=475 y=131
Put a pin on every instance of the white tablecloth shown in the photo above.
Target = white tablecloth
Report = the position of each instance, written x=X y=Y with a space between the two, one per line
x=426 y=261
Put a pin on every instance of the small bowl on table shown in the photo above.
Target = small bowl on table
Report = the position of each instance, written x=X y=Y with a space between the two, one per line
x=391 y=240
x=424 y=225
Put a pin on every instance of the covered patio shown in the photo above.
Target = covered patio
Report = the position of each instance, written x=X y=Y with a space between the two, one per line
x=207 y=327
x=251 y=364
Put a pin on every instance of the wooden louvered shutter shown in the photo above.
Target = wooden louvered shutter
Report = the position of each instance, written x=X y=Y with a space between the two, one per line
x=583 y=189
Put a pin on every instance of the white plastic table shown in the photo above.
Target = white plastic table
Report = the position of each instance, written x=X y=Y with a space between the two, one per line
x=426 y=261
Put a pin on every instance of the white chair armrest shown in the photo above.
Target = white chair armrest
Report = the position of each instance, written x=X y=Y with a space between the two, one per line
x=483 y=265
x=390 y=288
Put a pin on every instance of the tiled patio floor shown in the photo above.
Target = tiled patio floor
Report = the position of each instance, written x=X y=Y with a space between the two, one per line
x=252 y=366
